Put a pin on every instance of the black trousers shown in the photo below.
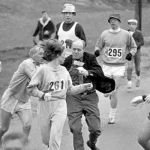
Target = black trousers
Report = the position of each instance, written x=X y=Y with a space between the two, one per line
x=86 y=105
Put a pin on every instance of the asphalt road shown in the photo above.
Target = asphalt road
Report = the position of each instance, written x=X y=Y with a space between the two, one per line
x=120 y=136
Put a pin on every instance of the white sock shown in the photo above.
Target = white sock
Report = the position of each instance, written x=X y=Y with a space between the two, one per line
x=129 y=82
x=112 y=112
x=138 y=77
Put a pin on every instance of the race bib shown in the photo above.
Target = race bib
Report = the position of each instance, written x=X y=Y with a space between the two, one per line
x=57 y=85
x=115 y=52
x=66 y=44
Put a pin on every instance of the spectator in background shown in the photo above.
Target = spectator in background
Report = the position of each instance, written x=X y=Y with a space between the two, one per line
x=69 y=31
x=139 y=40
x=14 y=141
x=45 y=28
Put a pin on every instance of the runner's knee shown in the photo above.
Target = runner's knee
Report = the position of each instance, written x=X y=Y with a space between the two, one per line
x=75 y=128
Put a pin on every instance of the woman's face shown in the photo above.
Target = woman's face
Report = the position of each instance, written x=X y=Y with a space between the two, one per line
x=62 y=57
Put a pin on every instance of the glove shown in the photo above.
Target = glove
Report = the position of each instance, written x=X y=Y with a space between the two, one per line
x=129 y=57
x=68 y=43
x=97 y=53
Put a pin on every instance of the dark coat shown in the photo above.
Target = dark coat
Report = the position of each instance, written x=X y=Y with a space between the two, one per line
x=96 y=75
x=42 y=27
x=138 y=37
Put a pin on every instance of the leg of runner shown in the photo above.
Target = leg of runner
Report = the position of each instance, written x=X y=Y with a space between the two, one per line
x=129 y=73
x=5 y=122
x=26 y=119
x=114 y=101
x=137 y=60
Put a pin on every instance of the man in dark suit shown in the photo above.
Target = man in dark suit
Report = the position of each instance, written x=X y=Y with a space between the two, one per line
x=83 y=68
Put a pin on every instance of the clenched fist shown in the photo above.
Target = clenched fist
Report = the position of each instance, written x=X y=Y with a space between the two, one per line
x=47 y=96
x=88 y=86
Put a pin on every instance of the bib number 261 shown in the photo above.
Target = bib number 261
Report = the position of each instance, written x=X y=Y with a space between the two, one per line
x=57 y=85
x=115 y=52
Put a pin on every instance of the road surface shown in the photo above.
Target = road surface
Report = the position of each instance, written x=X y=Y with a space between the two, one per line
x=120 y=136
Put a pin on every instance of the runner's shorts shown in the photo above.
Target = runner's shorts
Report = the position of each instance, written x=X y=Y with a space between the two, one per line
x=112 y=71
x=12 y=105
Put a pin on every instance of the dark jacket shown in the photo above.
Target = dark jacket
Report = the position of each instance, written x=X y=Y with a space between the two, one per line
x=138 y=37
x=42 y=27
x=96 y=75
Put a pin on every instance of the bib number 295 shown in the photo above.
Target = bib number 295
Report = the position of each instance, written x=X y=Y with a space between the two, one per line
x=115 y=52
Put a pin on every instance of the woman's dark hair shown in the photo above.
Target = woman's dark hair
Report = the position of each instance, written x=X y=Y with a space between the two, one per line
x=53 y=49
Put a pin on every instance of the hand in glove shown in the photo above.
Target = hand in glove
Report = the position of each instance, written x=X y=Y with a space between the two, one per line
x=129 y=57
x=97 y=53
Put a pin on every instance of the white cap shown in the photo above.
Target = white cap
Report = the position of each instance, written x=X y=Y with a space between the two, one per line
x=132 y=21
x=69 y=8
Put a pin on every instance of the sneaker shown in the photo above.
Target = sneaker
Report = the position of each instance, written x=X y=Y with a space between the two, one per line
x=111 y=120
x=92 y=146
x=129 y=84
x=137 y=82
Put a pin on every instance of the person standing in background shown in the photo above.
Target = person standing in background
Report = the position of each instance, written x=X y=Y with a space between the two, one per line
x=45 y=28
x=136 y=60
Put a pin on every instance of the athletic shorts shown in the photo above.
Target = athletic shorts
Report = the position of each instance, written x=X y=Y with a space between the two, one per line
x=12 y=105
x=112 y=71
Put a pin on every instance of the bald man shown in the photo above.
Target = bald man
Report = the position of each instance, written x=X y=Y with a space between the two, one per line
x=83 y=68
x=15 y=99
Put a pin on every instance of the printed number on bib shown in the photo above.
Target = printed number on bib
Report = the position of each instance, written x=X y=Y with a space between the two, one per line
x=115 y=52
x=66 y=44
x=57 y=86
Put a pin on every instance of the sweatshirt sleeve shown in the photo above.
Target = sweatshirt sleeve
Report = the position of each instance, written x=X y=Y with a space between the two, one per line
x=73 y=90
x=30 y=69
x=100 y=43
x=35 y=83
x=80 y=33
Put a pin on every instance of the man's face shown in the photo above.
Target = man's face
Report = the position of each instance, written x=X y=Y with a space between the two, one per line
x=44 y=16
x=38 y=56
x=77 y=51
x=13 y=145
x=114 y=23
x=68 y=17
x=132 y=26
